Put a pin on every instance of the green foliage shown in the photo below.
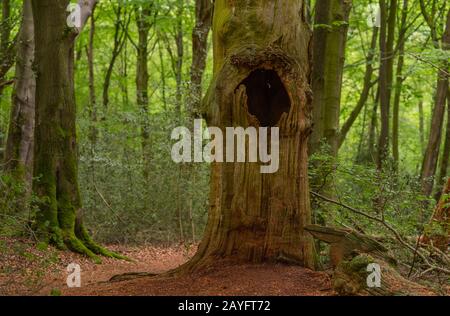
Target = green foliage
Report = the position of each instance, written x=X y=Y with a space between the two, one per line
x=55 y=292
x=386 y=195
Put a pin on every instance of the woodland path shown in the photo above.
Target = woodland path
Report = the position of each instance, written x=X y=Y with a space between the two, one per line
x=245 y=280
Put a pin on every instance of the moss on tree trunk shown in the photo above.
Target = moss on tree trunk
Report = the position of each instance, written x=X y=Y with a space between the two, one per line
x=58 y=217
x=261 y=78
x=19 y=145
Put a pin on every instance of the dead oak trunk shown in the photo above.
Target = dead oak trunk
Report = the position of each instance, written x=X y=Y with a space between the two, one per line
x=261 y=78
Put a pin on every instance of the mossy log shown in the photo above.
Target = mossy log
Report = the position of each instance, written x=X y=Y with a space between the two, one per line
x=351 y=278
x=352 y=253
x=344 y=242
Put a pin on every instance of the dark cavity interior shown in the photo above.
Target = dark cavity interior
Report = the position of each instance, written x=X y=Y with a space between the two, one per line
x=267 y=96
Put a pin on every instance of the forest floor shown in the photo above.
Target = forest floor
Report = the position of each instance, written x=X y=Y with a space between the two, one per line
x=25 y=270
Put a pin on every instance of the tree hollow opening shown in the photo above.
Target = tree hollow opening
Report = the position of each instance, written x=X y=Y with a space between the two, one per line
x=267 y=96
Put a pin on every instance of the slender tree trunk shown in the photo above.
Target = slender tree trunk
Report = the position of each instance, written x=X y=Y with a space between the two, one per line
x=373 y=129
x=163 y=75
x=142 y=19
x=443 y=170
x=399 y=85
x=92 y=108
x=180 y=55
x=19 y=145
x=329 y=40
x=4 y=41
x=431 y=157
x=5 y=33
x=203 y=17
x=58 y=216
x=5 y=44
x=92 y=93
x=387 y=36
x=421 y=127
x=119 y=41
x=365 y=92
x=261 y=48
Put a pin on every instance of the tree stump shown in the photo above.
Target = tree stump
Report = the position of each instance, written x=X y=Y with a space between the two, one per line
x=261 y=80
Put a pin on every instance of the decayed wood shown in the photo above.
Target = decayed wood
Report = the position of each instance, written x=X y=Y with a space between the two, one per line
x=351 y=254
x=351 y=278
x=438 y=231
x=344 y=242
x=258 y=217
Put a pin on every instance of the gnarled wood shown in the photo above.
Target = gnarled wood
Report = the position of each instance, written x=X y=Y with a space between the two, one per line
x=260 y=46
x=344 y=242
x=351 y=275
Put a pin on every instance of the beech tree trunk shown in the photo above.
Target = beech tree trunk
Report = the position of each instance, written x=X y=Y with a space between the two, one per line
x=6 y=60
x=143 y=15
x=329 y=39
x=261 y=77
x=19 y=145
x=7 y=45
x=203 y=18
x=421 y=127
x=365 y=92
x=58 y=216
x=120 y=29
x=399 y=84
x=387 y=36
x=443 y=170
x=431 y=157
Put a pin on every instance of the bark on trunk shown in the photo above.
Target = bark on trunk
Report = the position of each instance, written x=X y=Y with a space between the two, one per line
x=260 y=47
x=387 y=34
x=431 y=157
x=19 y=145
x=422 y=127
x=142 y=19
x=438 y=231
x=329 y=39
x=58 y=216
x=203 y=17
x=365 y=92
x=443 y=170
x=119 y=41
x=179 y=57
x=399 y=85
x=7 y=45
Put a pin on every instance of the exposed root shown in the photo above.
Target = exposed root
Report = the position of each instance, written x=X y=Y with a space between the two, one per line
x=95 y=248
x=76 y=245
x=80 y=241
x=131 y=276
x=196 y=264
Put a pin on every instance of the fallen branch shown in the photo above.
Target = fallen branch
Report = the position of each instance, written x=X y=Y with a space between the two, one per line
x=383 y=222
x=6 y=83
